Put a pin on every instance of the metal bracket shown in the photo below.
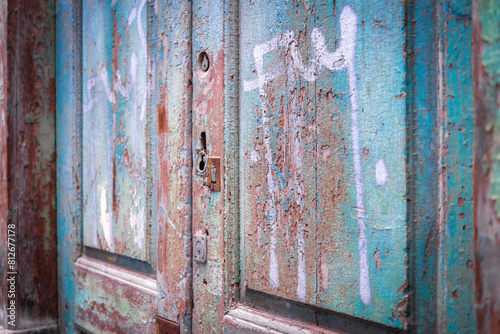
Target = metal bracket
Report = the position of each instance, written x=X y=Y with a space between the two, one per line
x=214 y=174
x=200 y=248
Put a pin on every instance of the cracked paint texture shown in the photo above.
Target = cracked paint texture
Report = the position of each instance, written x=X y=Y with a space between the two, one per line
x=323 y=155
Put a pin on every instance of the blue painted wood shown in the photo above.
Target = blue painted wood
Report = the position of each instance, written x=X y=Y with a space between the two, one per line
x=422 y=119
x=173 y=90
x=114 y=49
x=404 y=113
x=325 y=134
x=456 y=124
x=68 y=149
x=208 y=206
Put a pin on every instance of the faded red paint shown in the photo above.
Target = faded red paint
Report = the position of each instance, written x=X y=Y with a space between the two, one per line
x=208 y=100
x=122 y=310
x=30 y=161
x=174 y=192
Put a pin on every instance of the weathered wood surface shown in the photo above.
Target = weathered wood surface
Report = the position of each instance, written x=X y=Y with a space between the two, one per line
x=423 y=87
x=114 y=137
x=487 y=165
x=4 y=202
x=173 y=90
x=456 y=131
x=242 y=320
x=208 y=206
x=113 y=300
x=105 y=120
x=28 y=157
x=323 y=138
x=69 y=166
x=333 y=194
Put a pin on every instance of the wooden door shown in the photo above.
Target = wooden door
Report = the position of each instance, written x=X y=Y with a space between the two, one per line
x=336 y=211
x=248 y=166
x=321 y=115
x=124 y=213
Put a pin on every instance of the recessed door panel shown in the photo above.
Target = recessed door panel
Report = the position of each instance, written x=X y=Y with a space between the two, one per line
x=323 y=145
x=114 y=127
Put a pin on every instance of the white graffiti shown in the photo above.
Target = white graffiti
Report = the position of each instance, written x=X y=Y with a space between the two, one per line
x=127 y=89
x=341 y=59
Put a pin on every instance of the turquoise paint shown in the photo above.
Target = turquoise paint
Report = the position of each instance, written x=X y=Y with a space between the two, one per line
x=332 y=247
x=434 y=303
x=422 y=137
x=208 y=116
x=68 y=135
x=115 y=118
x=456 y=279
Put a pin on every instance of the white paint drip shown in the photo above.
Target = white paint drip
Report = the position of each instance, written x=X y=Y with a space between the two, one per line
x=93 y=178
x=135 y=221
x=297 y=123
x=348 y=31
x=340 y=59
x=105 y=218
x=131 y=17
x=381 y=175
x=259 y=52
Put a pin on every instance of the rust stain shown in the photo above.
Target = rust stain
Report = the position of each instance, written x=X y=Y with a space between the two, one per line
x=115 y=66
x=378 y=259
x=28 y=154
x=401 y=313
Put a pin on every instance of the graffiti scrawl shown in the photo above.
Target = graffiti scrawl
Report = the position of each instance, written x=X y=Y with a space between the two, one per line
x=343 y=58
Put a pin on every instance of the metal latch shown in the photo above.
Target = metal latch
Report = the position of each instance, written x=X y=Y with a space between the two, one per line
x=200 y=248
x=214 y=174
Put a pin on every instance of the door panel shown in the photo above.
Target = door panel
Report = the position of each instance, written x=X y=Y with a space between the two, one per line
x=311 y=220
x=114 y=127
x=278 y=141
x=110 y=299
x=114 y=287
x=323 y=154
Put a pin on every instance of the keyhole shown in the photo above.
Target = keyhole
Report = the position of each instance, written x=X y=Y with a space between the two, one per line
x=205 y=64
x=203 y=61
x=202 y=157
x=203 y=140
x=201 y=166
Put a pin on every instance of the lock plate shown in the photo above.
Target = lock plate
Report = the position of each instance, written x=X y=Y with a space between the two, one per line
x=214 y=174
x=200 y=248
x=201 y=162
